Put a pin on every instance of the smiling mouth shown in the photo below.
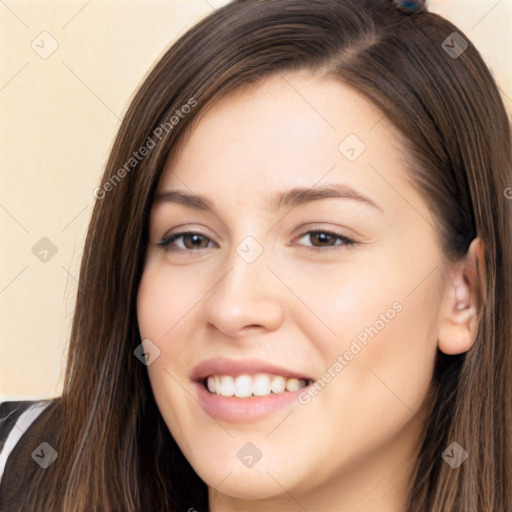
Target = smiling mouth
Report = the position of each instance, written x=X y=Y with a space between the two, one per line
x=246 y=386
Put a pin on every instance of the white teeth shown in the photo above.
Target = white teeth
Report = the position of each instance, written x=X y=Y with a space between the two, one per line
x=227 y=385
x=293 y=385
x=261 y=385
x=278 y=384
x=245 y=386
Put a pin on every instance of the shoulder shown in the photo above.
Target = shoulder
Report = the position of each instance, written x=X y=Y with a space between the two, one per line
x=12 y=411
x=15 y=419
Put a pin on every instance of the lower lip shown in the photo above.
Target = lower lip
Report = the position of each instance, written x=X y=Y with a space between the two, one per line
x=243 y=410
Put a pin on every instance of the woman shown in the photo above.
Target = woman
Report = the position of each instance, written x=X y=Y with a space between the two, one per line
x=225 y=354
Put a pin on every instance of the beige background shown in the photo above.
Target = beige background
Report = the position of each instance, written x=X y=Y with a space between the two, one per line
x=60 y=113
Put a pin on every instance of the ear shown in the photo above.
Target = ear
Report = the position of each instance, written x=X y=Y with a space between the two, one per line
x=463 y=301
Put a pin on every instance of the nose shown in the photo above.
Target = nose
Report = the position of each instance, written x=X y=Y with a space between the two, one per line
x=246 y=296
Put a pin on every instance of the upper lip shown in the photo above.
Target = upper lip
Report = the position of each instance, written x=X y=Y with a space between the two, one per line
x=236 y=367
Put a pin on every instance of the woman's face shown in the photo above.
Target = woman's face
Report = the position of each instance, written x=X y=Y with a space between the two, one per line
x=269 y=289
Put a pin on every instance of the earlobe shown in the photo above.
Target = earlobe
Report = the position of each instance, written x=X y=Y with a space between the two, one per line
x=463 y=302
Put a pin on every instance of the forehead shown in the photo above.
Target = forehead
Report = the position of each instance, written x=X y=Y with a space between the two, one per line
x=295 y=107
x=289 y=130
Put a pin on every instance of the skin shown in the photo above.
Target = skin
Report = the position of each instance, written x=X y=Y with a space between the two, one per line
x=352 y=447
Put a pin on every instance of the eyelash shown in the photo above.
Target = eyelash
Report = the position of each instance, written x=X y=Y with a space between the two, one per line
x=346 y=242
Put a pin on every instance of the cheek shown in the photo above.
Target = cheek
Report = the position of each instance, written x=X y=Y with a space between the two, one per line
x=379 y=365
x=383 y=306
x=166 y=317
x=164 y=304
x=378 y=361
x=374 y=392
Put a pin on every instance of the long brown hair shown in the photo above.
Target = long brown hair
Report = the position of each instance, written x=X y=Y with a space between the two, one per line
x=114 y=449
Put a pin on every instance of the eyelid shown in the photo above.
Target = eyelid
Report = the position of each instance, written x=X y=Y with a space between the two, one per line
x=170 y=237
x=346 y=240
x=188 y=228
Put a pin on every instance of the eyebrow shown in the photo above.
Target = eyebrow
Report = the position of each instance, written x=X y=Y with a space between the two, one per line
x=290 y=198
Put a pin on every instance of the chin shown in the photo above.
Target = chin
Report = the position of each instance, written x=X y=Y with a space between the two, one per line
x=244 y=484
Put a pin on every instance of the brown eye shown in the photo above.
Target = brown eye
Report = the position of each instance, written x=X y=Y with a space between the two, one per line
x=323 y=240
x=191 y=241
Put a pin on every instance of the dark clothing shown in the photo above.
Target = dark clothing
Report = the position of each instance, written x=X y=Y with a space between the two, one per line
x=19 y=438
